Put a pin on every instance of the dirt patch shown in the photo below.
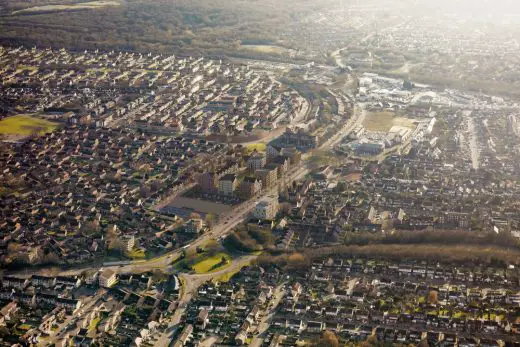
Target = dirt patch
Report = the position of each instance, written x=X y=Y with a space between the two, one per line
x=383 y=121
x=199 y=205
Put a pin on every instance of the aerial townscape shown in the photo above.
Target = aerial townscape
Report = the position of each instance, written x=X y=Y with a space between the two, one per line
x=299 y=173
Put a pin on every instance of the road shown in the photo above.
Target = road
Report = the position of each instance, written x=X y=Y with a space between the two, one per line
x=358 y=118
x=265 y=322
x=191 y=282
x=69 y=324
x=228 y=222
x=473 y=141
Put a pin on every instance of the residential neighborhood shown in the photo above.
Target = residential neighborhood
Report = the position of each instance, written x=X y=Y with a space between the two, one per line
x=333 y=173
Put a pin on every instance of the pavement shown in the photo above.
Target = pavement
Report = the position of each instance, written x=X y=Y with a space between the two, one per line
x=191 y=282
x=265 y=322
x=69 y=324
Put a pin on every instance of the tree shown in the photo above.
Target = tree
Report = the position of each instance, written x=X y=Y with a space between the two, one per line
x=195 y=215
x=212 y=248
x=285 y=208
x=432 y=297
x=370 y=342
x=91 y=227
x=328 y=339
x=158 y=276
x=211 y=219
x=296 y=261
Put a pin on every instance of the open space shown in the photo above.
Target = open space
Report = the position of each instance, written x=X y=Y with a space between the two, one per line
x=59 y=8
x=25 y=125
x=200 y=205
x=212 y=263
x=259 y=147
x=269 y=49
x=383 y=121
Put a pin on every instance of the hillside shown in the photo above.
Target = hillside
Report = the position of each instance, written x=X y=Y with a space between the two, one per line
x=212 y=27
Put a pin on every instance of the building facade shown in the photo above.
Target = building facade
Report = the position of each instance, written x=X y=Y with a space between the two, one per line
x=267 y=208
x=228 y=185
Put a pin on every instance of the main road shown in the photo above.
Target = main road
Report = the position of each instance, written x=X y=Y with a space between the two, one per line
x=228 y=221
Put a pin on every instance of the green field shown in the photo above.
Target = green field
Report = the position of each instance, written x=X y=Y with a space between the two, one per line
x=25 y=125
x=260 y=147
x=228 y=275
x=137 y=254
x=212 y=263
x=94 y=323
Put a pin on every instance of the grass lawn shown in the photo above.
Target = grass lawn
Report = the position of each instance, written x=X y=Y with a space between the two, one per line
x=94 y=323
x=24 y=327
x=206 y=265
x=226 y=277
x=25 y=125
x=260 y=147
x=137 y=254
x=458 y=314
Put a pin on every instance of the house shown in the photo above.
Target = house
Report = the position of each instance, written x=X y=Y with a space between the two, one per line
x=241 y=337
x=315 y=327
x=256 y=161
x=209 y=182
x=27 y=299
x=296 y=289
x=46 y=299
x=128 y=242
x=268 y=176
x=43 y=281
x=228 y=184
x=184 y=336
x=297 y=137
x=202 y=319
x=282 y=163
x=249 y=187
x=14 y=282
x=295 y=324
x=107 y=278
x=254 y=314
x=68 y=281
x=267 y=208
x=91 y=277
x=193 y=226
x=7 y=311
x=70 y=305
